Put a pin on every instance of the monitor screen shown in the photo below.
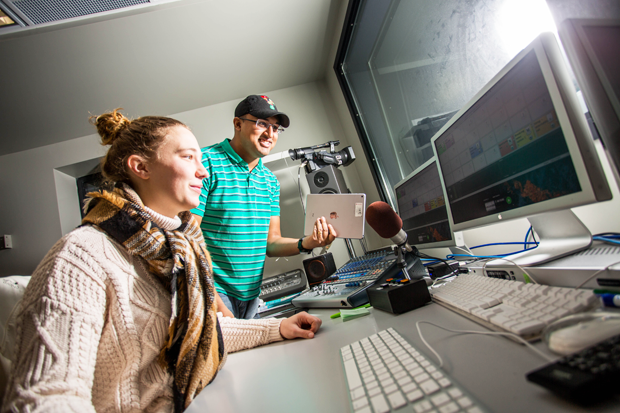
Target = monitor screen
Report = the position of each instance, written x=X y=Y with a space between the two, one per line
x=592 y=47
x=521 y=146
x=510 y=150
x=422 y=207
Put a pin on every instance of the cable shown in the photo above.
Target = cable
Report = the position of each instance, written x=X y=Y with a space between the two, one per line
x=533 y=236
x=608 y=235
x=489 y=333
x=596 y=273
x=488 y=256
x=503 y=243
x=529 y=232
x=443 y=277
x=527 y=235
x=605 y=239
x=421 y=255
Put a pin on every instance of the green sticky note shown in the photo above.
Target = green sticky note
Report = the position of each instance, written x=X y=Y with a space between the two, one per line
x=354 y=313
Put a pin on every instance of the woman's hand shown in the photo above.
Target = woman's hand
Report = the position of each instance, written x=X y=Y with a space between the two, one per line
x=301 y=325
x=221 y=307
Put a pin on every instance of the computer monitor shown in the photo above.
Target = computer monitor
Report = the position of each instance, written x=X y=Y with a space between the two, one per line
x=421 y=205
x=592 y=47
x=522 y=148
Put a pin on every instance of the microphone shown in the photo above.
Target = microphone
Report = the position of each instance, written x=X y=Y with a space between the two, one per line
x=382 y=218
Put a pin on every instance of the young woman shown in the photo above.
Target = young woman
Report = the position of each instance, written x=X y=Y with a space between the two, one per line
x=122 y=313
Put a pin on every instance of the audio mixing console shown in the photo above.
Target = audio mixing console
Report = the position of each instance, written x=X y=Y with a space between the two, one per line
x=281 y=285
x=347 y=287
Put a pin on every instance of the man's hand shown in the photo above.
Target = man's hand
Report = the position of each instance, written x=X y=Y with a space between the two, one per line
x=322 y=234
x=302 y=325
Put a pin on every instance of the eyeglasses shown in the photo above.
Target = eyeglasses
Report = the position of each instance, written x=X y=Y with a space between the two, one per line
x=263 y=124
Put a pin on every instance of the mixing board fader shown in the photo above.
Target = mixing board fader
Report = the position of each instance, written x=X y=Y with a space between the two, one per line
x=347 y=287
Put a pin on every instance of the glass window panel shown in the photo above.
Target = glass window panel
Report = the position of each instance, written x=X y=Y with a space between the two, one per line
x=410 y=65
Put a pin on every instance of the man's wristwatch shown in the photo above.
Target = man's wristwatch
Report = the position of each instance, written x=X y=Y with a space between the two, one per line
x=301 y=248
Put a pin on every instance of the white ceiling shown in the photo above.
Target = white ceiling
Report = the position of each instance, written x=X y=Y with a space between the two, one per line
x=162 y=60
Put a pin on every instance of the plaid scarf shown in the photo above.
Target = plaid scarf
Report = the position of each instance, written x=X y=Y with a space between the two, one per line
x=194 y=352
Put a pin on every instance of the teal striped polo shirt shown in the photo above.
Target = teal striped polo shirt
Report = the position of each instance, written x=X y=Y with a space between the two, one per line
x=236 y=206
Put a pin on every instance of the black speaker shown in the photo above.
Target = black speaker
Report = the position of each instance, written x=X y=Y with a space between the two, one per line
x=327 y=180
x=398 y=298
x=319 y=268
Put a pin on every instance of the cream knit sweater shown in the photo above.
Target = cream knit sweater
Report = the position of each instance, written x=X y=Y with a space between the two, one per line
x=92 y=325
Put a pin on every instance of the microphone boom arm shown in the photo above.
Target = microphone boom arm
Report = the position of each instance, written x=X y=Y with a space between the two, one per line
x=401 y=261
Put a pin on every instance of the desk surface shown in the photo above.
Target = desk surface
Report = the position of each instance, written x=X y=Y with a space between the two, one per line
x=307 y=375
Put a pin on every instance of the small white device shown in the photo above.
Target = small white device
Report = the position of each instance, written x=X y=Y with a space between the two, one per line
x=345 y=212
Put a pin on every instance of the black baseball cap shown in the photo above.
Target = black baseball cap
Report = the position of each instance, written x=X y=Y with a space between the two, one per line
x=261 y=107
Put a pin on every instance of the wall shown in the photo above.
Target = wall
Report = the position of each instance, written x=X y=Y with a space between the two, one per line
x=31 y=208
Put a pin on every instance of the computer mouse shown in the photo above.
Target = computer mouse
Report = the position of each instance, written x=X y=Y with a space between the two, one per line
x=584 y=334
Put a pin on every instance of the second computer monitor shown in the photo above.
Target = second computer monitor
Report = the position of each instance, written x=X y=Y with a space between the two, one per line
x=422 y=207
x=592 y=46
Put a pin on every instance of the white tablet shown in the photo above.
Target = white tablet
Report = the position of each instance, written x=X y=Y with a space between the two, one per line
x=346 y=213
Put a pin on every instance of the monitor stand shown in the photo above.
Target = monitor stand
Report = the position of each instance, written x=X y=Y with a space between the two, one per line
x=460 y=250
x=560 y=234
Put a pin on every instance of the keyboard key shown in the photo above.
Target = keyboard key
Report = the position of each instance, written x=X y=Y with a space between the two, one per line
x=383 y=377
x=357 y=393
x=429 y=386
x=408 y=387
x=414 y=395
x=368 y=376
x=379 y=404
x=465 y=402
x=391 y=366
x=382 y=371
x=455 y=393
x=444 y=382
x=358 y=404
x=403 y=380
x=372 y=384
x=528 y=327
x=416 y=371
x=387 y=382
x=353 y=378
x=374 y=391
x=449 y=408
x=399 y=373
x=440 y=399
x=397 y=400
x=422 y=406
x=421 y=377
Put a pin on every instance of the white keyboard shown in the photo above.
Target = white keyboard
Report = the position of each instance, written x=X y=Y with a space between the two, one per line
x=512 y=306
x=385 y=373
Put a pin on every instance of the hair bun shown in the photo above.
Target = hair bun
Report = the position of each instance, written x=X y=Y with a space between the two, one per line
x=110 y=125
